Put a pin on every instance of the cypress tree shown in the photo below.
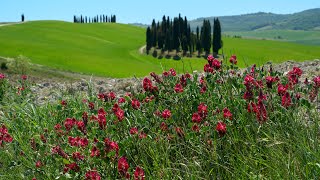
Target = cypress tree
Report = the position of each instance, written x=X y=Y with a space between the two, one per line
x=86 y=19
x=148 y=40
x=154 y=33
x=216 y=42
x=22 y=18
x=176 y=35
x=206 y=36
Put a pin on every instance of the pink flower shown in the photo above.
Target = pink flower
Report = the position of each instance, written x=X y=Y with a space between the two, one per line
x=120 y=114
x=138 y=174
x=178 y=88
x=38 y=164
x=95 y=152
x=24 y=77
x=233 y=59
x=286 y=100
x=282 y=89
x=166 y=114
x=2 y=76
x=91 y=105
x=221 y=128
x=196 y=118
x=227 y=114
x=135 y=104
x=123 y=165
x=316 y=81
x=69 y=123
x=111 y=96
x=195 y=128
x=134 y=131
x=173 y=72
x=207 y=68
x=77 y=156
x=92 y=175
x=121 y=100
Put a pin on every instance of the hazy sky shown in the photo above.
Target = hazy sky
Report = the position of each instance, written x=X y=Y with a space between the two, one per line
x=143 y=11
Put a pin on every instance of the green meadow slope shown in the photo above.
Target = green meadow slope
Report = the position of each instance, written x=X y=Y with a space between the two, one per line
x=112 y=49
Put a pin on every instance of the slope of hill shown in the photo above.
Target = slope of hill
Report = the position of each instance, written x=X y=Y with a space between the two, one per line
x=305 y=20
x=113 y=49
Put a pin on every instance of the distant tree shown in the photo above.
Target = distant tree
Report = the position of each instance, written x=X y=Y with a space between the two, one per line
x=148 y=40
x=22 y=18
x=101 y=19
x=154 y=33
x=86 y=20
x=104 y=18
x=216 y=42
x=115 y=19
x=206 y=36
x=89 y=19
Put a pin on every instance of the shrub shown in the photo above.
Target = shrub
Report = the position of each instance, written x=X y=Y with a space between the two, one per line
x=19 y=65
x=155 y=53
x=3 y=66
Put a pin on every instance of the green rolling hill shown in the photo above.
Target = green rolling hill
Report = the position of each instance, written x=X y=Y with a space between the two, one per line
x=113 y=49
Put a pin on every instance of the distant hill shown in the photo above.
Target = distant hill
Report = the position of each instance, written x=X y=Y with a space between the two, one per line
x=305 y=20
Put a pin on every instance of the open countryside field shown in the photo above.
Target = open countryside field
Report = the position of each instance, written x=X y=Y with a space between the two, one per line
x=298 y=36
x=112 y=49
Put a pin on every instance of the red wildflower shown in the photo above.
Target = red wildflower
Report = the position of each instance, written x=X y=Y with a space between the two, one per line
x=221 y=128
x=101 y=96
x=102 y=121
x=178 y=88
x=2 y=76
x=135 y=104
x=196 y=118
x=93 y=175
x=64 y=103
x=248 y=95
x=38 y=164
x=227 y=114
x=207 y=68
x=59 y=151
x=164 y=126
x=72 y=166
x=24 y=77
x=43 y=138
x=203 y=89
x=203 y=110
x=166 y=114
x=102 y=112
x=216 y=64
x=95 y=152
x=173 y=72
x=123 y=166
x=155 y=77
x=316 y=81
x=269 y=82
x=134 y=131
x=4 y=135
x=138 y=174
x=282 y=89
x=195 y=128
x=147 y=84
x=77 y=156
x=81 y=126
x=179 y=131
x=142 y=135
x=286 y=100
x=111 y=96
x=233 y=59
x=85 y=118
x=120 y=114
x=69 y=123
x=91 y=105
x=121 y=100
x=261 y=112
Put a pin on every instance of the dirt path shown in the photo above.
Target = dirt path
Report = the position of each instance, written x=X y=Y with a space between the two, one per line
x=8 y=24
x=142 y=49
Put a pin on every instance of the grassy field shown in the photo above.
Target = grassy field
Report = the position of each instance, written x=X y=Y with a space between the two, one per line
x=303 y=37
x=112 y=49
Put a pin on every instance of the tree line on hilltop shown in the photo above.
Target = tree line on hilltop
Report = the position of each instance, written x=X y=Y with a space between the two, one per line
x=95 y=19
x=176 y=34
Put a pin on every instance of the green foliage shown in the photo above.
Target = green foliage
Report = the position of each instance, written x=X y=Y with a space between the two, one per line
x=3 y=66
x=286 y=146
x=19 y=65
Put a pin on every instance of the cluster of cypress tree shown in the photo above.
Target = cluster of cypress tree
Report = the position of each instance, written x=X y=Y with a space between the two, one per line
x=176 y=34
x=95 y=19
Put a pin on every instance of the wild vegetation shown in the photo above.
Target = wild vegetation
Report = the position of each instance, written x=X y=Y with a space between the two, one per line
x=224 y=124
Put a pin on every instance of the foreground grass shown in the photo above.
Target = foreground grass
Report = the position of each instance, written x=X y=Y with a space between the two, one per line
x=177 y=134
x=112 y=49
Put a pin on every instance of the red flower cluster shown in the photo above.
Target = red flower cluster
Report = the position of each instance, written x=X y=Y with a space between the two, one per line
x=92 y=175
x=2 y=76
x=135 y=104
x=138 y=174
x=4 y=135
x=178 y=88
x=77 y=141
x=166 y=114
x=221 y=128
x=294 y=74
x=233 y=59
x=123 y=167
x=213 y=63
x=227 y=114
x=72 y=166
